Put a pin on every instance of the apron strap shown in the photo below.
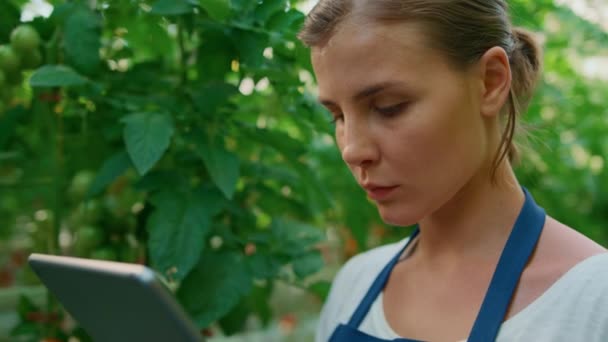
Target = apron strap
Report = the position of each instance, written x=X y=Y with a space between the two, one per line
x=520 y=245
x=377 y=286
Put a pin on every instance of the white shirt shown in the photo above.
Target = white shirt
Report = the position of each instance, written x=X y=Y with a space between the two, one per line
x=575 y=308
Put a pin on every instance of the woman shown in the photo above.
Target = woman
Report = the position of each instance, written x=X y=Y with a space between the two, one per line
x=425 y=96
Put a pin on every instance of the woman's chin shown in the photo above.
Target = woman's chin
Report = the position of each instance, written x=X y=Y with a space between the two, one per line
x=399 y=218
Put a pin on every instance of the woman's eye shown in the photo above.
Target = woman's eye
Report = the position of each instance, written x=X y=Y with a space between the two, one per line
x=336 y=117
x=391 y=110
x=334 y=114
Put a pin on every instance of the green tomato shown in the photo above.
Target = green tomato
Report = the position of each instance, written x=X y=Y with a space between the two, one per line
x=9 y=61
x=80 y=184
x=24 y=39
x=91 y=210
x=87 y=238
x=104 y=253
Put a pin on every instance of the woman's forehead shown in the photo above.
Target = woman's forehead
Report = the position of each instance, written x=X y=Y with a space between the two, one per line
x=361 y=41
x=404 y=34
x=358 y=55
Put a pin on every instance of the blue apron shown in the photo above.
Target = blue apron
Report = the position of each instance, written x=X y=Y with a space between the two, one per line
x=520 y=245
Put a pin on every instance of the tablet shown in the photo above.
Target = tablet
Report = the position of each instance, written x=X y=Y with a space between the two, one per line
x=115 y=301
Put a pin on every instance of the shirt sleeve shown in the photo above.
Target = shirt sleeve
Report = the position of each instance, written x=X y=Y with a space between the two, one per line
x=331 y=311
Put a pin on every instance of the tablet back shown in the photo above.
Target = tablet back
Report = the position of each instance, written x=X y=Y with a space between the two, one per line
x=114 y=301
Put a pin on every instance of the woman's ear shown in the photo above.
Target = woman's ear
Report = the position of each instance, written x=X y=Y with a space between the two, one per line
x=496 y=80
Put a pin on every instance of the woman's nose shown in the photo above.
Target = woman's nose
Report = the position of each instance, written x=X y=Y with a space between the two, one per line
x=358 y=146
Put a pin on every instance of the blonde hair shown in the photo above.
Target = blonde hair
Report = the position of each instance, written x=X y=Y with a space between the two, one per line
x=462 y=29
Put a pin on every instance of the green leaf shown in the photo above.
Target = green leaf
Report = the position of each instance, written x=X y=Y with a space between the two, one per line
x=62 y=11
x=9 y=19
x=215 y=286
x=263 y=266
x=269 y=7
x=280 y=173
x=251 y=46
x=308 y=264
x=159 y=179
x=209 y=98
x=113 y=167
x=215 y=53
x=256 y=303
x=275 y=203
x=321 y=289
x=291 y=148
x=56 y=76
x=147 y=136
x=178 y=228
x=81 y=39
x=361 y=212
x=243 y=6
x=223 y=167
x=26 y=329
x=236 y=319
x=8 y=123
x=281 y=22
x=148 y=38
x=44 y=26
x=171 y=7
x=314 y=190
x=259 y=300
x=25 y=306
x=217 y=9
x=294 y=238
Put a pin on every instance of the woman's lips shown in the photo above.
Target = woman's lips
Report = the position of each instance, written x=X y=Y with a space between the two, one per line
x=378 y=193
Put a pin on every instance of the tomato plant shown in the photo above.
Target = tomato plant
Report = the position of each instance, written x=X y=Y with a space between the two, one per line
x=173 y=134
x=184 y=135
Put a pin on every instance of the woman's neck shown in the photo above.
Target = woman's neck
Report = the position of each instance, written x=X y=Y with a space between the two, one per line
x=475 y=224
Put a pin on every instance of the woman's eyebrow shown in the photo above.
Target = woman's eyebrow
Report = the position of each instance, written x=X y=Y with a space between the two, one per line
x=372 y=90
x=365 y=92
x=327 y=103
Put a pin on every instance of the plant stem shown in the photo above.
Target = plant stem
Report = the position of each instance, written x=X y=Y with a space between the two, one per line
x=53 y=246
x=55 y=122
x=51 y=48
x=182 y=52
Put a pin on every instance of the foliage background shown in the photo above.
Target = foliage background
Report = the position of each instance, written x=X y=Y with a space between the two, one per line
x=184 y=135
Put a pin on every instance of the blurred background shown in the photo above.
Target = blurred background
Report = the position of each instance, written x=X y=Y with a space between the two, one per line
x=185 y=135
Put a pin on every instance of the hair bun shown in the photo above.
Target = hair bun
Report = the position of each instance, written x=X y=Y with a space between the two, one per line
x=525 y=66
x=527 y=46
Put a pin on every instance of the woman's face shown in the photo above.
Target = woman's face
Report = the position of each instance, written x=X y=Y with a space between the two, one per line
x=408 y=126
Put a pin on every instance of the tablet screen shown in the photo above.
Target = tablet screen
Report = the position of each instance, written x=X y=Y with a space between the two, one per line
x=115 y=301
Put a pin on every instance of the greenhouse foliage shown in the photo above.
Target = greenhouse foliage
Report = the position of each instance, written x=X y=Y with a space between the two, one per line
x=186 y=135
